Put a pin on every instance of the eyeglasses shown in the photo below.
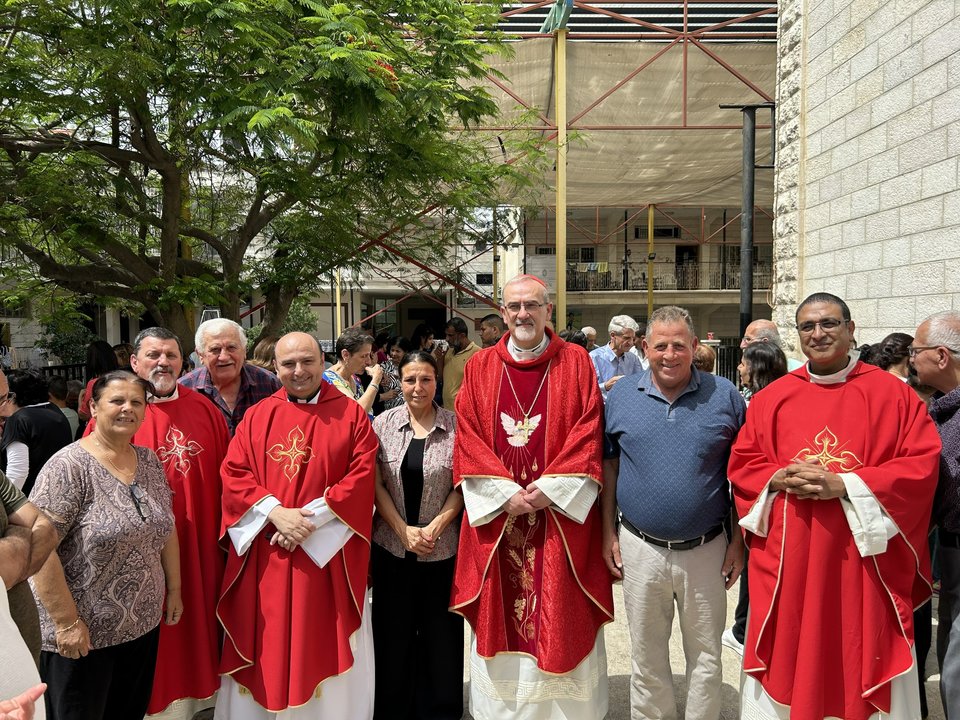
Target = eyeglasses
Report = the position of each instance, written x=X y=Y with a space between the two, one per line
x=914 y=350
x=139 y=497
x=827 y=325
x=530 y=307
x=9 y=397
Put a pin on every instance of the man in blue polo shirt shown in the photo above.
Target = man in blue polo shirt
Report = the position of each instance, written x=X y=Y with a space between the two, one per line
x=670 y=431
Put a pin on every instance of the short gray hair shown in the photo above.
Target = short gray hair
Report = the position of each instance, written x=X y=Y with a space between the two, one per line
x=669 y=314
x=160 y=333
x=215 y=327
x=619 y=323
x=545 y=291
x=768 y=334
x=943 y=329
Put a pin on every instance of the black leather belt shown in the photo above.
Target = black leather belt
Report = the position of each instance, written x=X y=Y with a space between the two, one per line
x=673 y=544
x=949 y=539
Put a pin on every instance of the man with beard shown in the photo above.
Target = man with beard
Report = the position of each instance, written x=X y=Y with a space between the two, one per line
x=529 y=578
x=190 y=437
x=492 y=329
x=460 y=349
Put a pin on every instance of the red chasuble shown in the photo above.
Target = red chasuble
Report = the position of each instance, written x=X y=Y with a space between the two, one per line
x=288 y=622
x=830 y=629
x=536 y=583
x=190 y=437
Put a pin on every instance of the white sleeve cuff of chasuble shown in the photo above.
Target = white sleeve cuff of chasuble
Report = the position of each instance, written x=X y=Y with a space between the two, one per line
x=251 y=522
x=870 y=525
x=573 y=495
x=484 y=497
x=757 y=520
x=329 y=537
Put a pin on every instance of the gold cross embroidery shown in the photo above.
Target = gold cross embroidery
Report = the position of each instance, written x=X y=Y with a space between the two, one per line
x=825 y=450
x=292 y=455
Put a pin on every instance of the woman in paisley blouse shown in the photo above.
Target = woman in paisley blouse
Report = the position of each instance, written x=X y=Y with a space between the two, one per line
x=418 y=643
x=116 y=570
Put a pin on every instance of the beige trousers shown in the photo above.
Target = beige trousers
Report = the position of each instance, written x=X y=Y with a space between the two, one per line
x=655 y=581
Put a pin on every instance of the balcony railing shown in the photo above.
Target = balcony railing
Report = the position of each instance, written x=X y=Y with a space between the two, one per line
x=591 y=277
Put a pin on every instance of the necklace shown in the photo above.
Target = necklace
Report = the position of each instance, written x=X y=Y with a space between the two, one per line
x=518 y=433
x=124 y=473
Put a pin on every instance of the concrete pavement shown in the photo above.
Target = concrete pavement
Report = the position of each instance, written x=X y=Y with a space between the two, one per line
x=618 y=667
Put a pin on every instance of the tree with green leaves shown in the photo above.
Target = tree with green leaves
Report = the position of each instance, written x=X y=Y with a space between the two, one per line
x=180 y=153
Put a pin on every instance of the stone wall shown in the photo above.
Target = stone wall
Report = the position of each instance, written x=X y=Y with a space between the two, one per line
x=868 y=139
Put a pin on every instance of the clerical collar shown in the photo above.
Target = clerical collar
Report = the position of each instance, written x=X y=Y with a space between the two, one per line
x=839 y=376
x=532 y=354
x=312 y=400
x=155 y=399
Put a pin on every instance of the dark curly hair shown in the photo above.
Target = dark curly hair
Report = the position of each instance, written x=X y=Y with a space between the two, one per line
x=892 y=350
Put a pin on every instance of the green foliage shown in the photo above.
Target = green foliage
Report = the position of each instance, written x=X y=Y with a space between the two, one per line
x=64 y=335
x=147 y=150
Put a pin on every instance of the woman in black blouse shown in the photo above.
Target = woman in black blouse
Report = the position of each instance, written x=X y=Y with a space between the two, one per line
x=418 y=643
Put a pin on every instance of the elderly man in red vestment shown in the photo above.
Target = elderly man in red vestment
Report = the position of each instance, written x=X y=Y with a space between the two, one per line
x=530 y=577
x=298 y=510
x=834 y=474
x=190 y=437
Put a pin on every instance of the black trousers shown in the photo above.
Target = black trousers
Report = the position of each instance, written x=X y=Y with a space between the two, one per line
x=112 y=683
x=743 y=604
x=418 y=642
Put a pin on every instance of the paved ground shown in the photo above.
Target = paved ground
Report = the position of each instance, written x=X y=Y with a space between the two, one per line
x=618 y=668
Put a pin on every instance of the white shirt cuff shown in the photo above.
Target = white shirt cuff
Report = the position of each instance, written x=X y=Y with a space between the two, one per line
x=329 y=537
x=757 y=520
x=484 y=497
x=870 y=526
x=573 y=495
x=251 y=522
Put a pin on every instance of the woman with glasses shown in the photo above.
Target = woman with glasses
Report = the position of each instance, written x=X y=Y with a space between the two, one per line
x=116 y=570
x=353 y=350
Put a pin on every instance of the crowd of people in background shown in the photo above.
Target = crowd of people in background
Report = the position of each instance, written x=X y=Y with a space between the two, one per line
x=372 y=499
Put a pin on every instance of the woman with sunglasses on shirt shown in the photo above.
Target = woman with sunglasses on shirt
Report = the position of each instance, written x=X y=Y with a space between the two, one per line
x=116 y=571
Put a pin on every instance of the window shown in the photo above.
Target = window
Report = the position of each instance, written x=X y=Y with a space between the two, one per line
x=484 y=278
x=546 y=250
x=581 y=254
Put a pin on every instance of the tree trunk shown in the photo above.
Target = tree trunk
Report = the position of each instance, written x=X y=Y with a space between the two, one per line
x=277 y=299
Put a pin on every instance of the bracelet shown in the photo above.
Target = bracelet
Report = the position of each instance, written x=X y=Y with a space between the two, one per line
x=71 y=626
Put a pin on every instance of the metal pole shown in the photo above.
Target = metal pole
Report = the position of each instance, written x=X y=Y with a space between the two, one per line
x=626 y=252
x=746 y=218
x=339 y=325
x=496 y=254
x=561 y=218
x=650 y=256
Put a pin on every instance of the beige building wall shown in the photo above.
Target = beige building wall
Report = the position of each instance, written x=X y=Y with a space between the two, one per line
x=868 y=138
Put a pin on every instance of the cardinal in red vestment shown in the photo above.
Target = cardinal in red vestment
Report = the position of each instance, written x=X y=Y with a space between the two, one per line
x=834 y=474
x=530 y=578
x=190 y=437
x=298 y=489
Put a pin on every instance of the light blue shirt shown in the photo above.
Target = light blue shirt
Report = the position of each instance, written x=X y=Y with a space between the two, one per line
x=608 y=365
